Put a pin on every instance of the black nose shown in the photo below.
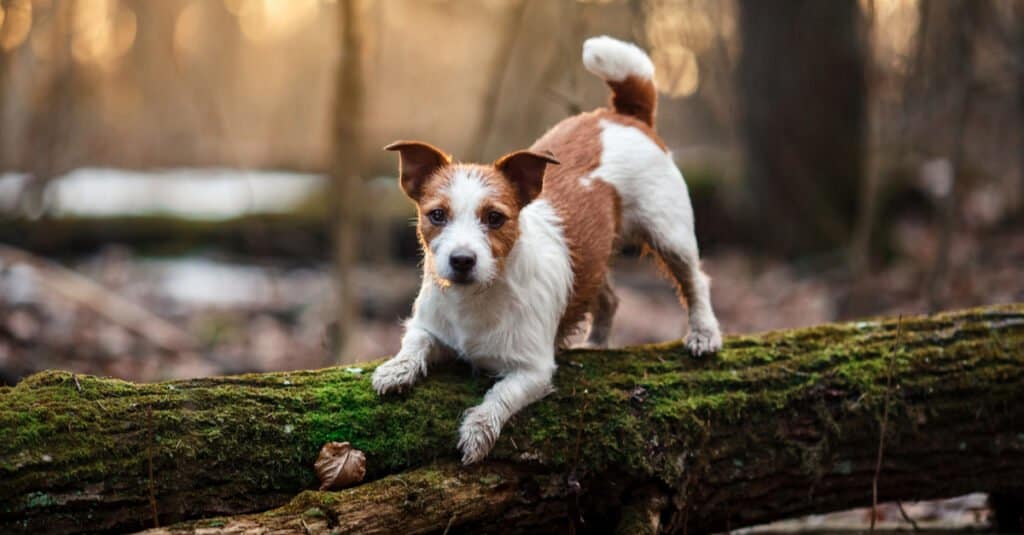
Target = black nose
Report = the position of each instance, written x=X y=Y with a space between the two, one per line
x=462 y=262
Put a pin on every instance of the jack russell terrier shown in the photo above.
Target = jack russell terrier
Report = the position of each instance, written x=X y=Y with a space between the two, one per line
x=514 y=256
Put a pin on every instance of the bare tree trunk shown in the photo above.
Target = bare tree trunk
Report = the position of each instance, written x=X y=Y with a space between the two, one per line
x=6 y=57
x=778 y=425
x=802 y=95
x=53 y=120
x=864 y=224
x=348 y=148
x=496 y=80
x=952 y=64
x=1020 y=104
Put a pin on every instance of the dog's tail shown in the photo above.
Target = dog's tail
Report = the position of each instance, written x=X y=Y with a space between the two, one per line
x=629 y=73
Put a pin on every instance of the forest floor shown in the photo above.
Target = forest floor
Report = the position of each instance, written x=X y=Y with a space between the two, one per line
x=267 y=316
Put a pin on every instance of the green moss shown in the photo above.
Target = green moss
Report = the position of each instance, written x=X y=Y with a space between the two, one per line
x=39 y=499
x=314 y=512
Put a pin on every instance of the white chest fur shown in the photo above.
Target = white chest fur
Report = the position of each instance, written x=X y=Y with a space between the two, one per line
x=512 y=323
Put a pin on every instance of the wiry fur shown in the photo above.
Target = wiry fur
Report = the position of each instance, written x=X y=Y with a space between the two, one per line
x=538 y=274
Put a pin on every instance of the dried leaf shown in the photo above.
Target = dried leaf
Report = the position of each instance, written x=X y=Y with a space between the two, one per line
x=340 y=465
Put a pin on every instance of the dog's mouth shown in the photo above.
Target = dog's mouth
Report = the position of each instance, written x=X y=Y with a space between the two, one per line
x=462 y=279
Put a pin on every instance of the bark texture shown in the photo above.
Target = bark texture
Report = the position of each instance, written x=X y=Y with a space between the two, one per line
x=779 y=424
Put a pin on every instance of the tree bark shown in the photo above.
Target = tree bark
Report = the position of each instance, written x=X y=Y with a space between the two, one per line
x=802 y=96
x=779 y=424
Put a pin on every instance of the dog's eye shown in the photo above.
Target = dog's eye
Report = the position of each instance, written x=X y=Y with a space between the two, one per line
x=437 y=216
x=495 y=219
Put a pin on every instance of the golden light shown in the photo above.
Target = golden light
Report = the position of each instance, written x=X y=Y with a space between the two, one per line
x=102 y=32
x=41 y=40
x=677 y=72
x=17 y=21
x=188 y=28
x=893 y=31
x=271 y=20
x=695 y=24
x=237 y=7
x=681 y=31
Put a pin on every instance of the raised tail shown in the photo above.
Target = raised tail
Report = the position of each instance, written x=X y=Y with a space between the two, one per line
x=629 y=73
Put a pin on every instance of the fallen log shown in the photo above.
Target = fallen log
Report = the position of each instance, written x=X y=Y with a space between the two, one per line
x=780 y=424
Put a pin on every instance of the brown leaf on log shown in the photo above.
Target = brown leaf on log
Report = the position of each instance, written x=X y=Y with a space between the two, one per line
x=339 y=465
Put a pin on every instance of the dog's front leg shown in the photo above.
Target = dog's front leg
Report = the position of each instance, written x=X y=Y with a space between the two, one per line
x=482 y=424
x=409 y=365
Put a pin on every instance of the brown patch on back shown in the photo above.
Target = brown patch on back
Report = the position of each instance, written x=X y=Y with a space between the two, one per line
x=591 y=215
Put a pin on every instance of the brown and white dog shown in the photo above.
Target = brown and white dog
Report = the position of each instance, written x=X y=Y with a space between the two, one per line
x=516 y=256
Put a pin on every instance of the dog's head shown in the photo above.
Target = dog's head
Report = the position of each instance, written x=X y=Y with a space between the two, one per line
x=468 y=214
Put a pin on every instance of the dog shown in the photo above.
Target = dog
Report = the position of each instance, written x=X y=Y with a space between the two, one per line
x=516 y=253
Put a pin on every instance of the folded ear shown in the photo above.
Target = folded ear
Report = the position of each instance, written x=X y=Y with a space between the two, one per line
x=417 y=162
x=525 y=170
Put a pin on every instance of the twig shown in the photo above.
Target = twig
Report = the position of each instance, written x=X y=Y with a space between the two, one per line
x=573 y=479
x=885 y=421
x=149 y=455
x=450 y=522
x=78 y=385
x=906 y=517
x=579 y=432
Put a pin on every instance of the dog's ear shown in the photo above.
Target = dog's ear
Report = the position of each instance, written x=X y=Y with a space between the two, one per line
x=417 y=162
x=525 y=170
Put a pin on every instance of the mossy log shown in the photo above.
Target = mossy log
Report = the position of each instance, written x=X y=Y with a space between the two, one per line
x=779 y=424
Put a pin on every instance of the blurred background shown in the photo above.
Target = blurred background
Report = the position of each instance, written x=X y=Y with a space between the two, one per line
x=196 y=187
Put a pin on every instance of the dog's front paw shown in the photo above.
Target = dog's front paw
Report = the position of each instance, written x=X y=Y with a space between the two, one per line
x=704 y=341
x=591 y=344
x=396 y=375
x=479 y=431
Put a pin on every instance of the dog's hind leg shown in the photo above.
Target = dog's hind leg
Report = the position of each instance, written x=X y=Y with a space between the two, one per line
x=602 y=312
x=656 y=207
x=679 y=257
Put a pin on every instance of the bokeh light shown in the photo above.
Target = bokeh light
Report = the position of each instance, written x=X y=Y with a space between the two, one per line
x=271 y=20
x=17 y=22
x=102 y=32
